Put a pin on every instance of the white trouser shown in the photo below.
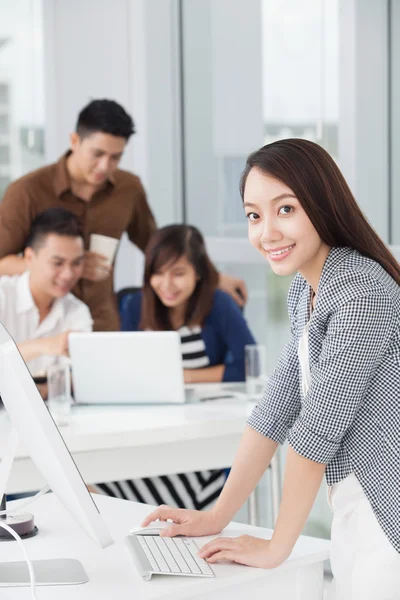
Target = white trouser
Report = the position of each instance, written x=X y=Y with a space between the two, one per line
x=365 y=565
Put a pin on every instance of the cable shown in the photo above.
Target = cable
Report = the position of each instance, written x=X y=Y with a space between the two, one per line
x=28 y=560
x=18 y=538
x=26 y=502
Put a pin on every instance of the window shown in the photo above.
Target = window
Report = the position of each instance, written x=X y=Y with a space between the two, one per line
x=21 y=89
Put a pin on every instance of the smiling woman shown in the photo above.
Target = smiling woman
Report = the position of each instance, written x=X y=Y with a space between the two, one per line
x=179 y=293
x=279 y=227
x=334 y=394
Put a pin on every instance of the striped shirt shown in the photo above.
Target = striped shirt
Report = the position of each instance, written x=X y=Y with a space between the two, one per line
x=193 y=348
x=197 y=490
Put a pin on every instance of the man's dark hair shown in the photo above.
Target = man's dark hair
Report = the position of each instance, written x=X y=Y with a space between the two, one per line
x=105 y=116
x=58 y=221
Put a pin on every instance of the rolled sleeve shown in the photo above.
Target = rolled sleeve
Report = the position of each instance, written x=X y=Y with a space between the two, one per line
x=277 y=411
x=16 y=214
x=357 y=337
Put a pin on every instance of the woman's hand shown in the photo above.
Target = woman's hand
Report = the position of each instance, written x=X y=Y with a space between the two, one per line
x=185 y=522
x=246 y=550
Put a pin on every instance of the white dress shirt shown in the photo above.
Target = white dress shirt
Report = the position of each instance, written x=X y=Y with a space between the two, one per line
x=20 y=316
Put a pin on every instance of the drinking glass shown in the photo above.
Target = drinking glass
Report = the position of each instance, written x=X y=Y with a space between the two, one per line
x=59 y=392
x=255 y=369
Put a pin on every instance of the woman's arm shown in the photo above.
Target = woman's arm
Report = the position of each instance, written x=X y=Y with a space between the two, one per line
x=244 y=476
x=301 y=484
x=206 y=375
x=246 y=472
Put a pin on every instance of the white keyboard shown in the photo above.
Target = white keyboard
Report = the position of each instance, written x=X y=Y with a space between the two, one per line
x=155 y=555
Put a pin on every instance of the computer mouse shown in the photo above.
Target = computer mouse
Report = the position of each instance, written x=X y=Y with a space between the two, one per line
x=152 y=527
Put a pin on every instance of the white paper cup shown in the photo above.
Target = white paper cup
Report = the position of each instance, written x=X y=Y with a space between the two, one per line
x=102 y=244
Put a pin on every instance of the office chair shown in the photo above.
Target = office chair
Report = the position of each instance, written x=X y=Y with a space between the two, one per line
x=124 y=294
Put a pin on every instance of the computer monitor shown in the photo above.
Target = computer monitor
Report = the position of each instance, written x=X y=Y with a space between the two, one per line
x=42 y=439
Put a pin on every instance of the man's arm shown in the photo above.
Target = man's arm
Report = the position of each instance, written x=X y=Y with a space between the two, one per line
x=142 y=224
x=12 y=264
x=16 y=214
x=56 y=345
x=235 y=287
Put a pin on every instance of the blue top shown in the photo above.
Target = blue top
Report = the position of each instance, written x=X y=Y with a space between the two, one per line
x=224 y=331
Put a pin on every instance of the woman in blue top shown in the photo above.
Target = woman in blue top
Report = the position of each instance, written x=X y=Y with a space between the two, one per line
x=335 y=392
x=179 y=293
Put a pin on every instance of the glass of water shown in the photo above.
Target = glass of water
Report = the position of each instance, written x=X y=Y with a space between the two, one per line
x=59 y=392
x=255 y=369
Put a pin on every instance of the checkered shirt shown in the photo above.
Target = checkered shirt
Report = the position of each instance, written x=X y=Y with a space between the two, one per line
x=350 y=416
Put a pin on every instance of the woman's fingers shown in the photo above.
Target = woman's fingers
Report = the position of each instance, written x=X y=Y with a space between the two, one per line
x=174 y=529
x=223 y=555
x=162 y=513
x=216 y=546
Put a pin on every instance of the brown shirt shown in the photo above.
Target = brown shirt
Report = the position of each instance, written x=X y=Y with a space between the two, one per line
x=120 y=206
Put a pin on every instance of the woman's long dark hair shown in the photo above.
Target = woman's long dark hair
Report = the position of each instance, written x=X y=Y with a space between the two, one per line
x=165 y=247
x=316 y=181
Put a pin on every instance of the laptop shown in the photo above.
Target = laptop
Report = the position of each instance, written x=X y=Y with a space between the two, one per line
x=127 y=367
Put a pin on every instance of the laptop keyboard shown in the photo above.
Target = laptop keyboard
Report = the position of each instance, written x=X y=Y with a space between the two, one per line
x=171 y=556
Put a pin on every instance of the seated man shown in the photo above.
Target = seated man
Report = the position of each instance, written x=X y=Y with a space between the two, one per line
x=37 y=307
x=108 y=200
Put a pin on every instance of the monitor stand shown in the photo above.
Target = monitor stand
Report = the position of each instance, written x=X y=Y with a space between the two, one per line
x=23 y=524
x=55 y=571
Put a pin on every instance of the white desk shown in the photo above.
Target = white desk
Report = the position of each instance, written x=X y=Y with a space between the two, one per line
x=112 y=572
x=122 y=442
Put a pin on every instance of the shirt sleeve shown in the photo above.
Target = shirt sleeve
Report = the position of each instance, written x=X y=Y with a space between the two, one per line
x=357 y=337
x=80 y=319
x=3 y=304
x=142 y=224
x=277 y=411
x=16 y=215
x=236 y=334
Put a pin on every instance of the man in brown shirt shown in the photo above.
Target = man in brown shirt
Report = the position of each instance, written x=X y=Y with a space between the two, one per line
x=86 y=181
x=107 y=200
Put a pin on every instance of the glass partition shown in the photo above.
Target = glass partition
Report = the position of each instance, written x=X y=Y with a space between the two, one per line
x=253 y=71
x=21 y=89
